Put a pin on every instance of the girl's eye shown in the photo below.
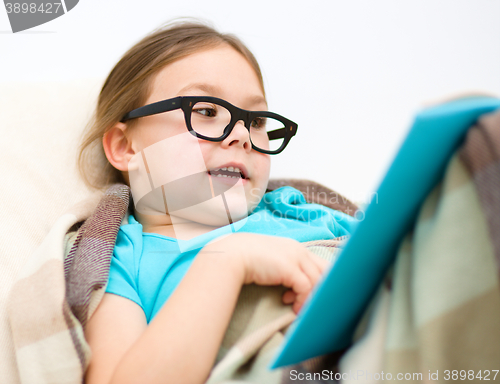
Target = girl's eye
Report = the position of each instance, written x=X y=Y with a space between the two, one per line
x=259 y=122
x=208 y=111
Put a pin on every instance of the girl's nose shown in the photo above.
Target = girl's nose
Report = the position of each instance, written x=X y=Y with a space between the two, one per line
x=239 y=136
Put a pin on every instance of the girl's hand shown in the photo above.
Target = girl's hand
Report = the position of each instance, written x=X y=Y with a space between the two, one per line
x=127 y=350
x=271 y=260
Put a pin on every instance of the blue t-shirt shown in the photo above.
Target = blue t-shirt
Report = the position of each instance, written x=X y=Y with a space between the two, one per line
x=147 y=267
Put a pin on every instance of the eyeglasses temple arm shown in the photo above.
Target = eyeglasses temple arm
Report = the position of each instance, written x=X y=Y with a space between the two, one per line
x=153 y=109
x=280 y=133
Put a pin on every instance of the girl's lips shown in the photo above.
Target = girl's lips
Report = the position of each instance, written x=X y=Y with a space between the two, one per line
x=231 y=167
x=227 y=180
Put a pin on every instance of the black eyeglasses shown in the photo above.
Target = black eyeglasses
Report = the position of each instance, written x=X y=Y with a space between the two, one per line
x=213 y=119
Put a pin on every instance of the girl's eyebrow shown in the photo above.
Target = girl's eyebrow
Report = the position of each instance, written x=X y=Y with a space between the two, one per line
x=206 y=88
x=214 y=90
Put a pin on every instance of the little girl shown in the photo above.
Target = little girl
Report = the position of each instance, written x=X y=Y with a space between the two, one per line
x=183 y=120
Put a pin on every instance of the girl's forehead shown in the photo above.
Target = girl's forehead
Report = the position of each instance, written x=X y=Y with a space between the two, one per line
x=220 y=71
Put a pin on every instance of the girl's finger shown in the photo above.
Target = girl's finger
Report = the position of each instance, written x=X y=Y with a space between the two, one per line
x=310 y=269
x=298 y=281
x=289 y=297
x=299 y=302
x=321 y=263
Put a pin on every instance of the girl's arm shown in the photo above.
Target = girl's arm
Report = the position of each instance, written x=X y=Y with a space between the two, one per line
x=181 y=343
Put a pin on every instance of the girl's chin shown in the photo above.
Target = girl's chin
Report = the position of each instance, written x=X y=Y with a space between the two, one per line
x=217 y=212
x=216 y=221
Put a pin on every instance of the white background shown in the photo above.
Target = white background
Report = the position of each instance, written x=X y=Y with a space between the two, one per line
x=350 y=73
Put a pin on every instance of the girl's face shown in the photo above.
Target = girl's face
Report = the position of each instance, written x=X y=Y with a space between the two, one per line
x=220 y=72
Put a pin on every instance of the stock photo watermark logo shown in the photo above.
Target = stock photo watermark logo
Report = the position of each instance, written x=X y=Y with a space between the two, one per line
x=28 y=14
x=170 y=179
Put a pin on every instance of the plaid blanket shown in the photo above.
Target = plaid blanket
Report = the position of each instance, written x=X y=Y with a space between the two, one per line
x=51 y=303
x=436 y=314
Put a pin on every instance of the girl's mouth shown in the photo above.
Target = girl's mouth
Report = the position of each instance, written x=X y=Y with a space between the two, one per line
x=229 y=172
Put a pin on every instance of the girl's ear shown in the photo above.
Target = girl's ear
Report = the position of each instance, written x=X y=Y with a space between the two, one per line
x=118 y=147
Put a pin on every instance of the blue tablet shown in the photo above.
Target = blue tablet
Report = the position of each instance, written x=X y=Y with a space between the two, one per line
x=328 y=319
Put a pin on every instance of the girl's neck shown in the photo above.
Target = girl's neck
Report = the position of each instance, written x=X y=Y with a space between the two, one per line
x=172 y=227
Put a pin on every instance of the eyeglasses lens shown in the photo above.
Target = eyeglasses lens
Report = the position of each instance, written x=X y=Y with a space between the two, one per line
x=210 y=120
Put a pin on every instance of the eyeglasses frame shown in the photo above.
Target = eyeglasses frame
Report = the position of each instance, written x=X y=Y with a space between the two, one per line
x=186 y=103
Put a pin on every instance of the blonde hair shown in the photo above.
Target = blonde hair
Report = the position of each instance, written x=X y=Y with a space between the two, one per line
x=128 y=86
